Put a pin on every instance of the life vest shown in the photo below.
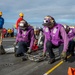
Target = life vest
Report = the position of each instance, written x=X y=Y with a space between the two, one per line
x=53 y=34
x=24 y=35
x=71 y=33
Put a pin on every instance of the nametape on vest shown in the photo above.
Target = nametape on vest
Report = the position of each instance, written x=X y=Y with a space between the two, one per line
x=70 y=31
x=44 y=21
x=54 y=30
x=21 y=24
x=24 y=32
x=46 y=30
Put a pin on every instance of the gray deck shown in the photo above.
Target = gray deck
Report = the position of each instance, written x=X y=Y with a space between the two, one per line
x=11 y=65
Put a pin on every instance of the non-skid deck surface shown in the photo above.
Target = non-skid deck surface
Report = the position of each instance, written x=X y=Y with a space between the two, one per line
x=11 y=65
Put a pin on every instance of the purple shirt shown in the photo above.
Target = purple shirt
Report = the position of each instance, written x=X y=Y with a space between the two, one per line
x=71 y=33
x=26 y=36
x=63 y=34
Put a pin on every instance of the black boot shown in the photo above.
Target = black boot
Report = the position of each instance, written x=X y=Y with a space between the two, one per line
x=64 y=59
x=2 y=51
x=72 y=53
x=24 y=58
x=52 y=60
x=17 y=55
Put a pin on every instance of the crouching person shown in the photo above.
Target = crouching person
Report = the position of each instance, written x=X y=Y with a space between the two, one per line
x=38 y=42
x=25 y=38
x=71 y=35
x=41 y=39
x=55 y=37
x=35 y=47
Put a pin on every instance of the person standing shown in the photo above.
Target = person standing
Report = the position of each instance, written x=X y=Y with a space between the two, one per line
x=21 y=15
x=1 y=28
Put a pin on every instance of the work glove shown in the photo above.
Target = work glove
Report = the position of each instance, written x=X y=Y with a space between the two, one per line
x=15 y=43
x=44 y=54
x=63 y=56
x=29 y=51
x=74 y=39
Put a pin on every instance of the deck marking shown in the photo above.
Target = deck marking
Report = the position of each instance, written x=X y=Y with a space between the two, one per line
x=57 y=65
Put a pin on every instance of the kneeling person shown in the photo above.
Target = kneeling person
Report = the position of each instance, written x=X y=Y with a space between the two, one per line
x=55 y=37
x=25 y=38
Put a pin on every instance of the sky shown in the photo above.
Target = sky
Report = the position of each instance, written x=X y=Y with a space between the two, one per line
x=35 y=10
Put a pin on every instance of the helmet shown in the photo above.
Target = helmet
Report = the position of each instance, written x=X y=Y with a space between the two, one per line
x=67 y=28
x=0 y=13
x=9 y=31
x=64 y=26
x=36 y=29
x=23 y=24
x=21 y=14
x=48 y=21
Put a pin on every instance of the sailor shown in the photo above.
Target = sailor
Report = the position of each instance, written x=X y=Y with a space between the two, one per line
x=55 y=37
x=21 y=16
x=2 y=51
x=71 y=35
x=38 y=43
x=25 y=38
x=36 y=35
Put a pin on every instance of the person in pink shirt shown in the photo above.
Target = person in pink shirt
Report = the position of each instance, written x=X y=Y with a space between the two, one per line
x=71 y=35
x=55 y=37
x=24 y=38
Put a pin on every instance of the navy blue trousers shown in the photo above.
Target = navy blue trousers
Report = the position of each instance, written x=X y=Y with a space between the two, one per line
x=22 y=47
